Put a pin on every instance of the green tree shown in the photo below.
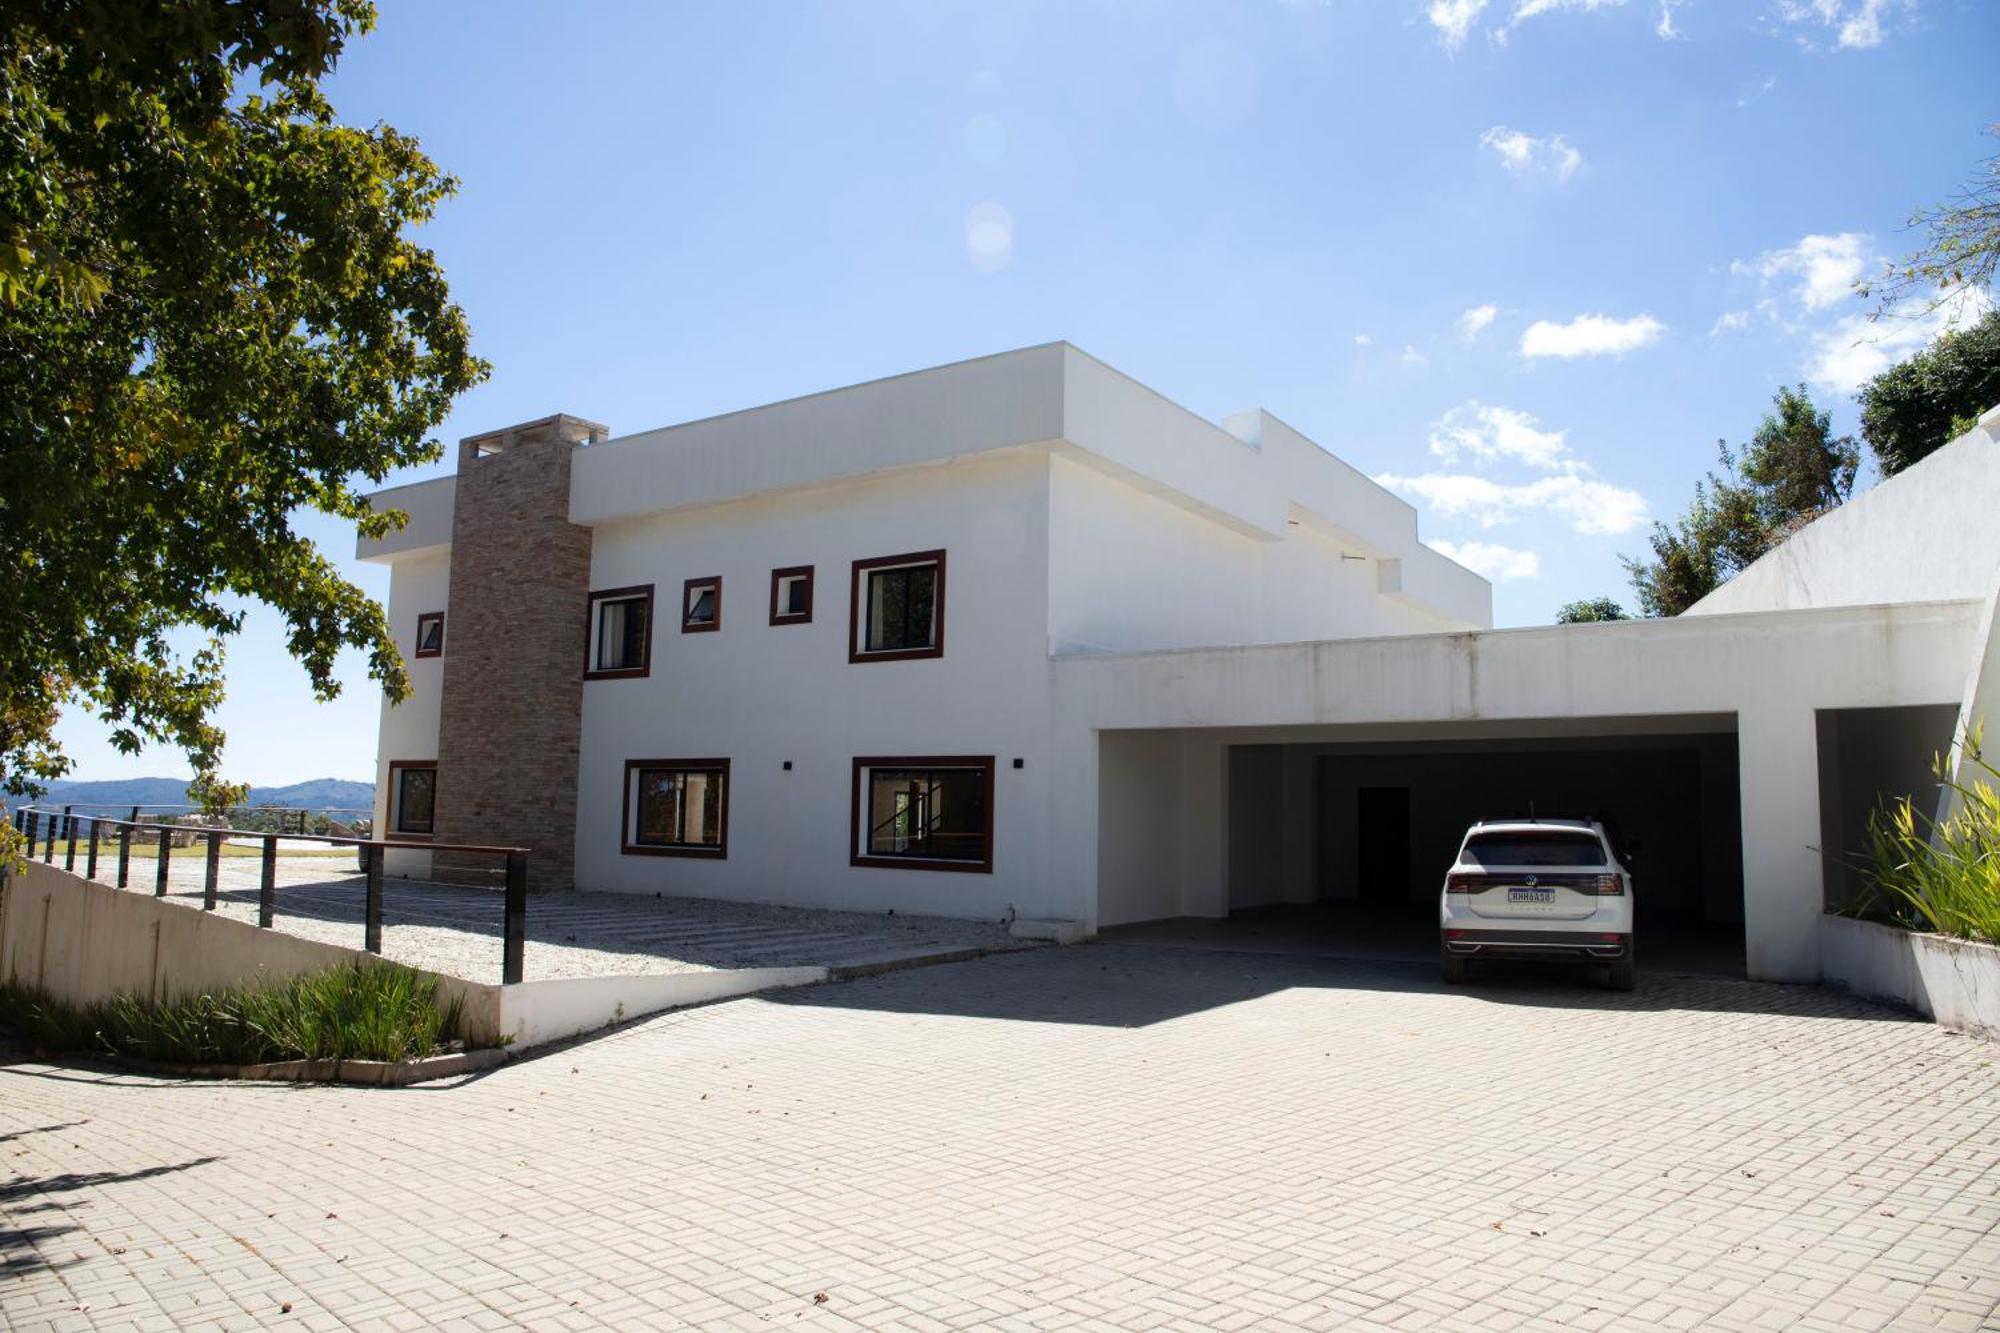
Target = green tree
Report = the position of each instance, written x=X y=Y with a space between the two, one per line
x=1961 y=247
x=1793 y=470
x=1933 y=397
x=1590 y=611
x=211 y=316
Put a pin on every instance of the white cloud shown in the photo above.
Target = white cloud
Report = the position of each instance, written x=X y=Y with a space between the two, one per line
x=989 y=237
x=1475 y=320
x=1665 y=29
x=1730 y=321
x=1770 y=82
x=1490 y=559
x=1411 y=356
x=1524 y=154
x=1364 y=340
x=1454 y=19
x=1590 y=335
x=1493 y=434
x=1827 y=267
x=1593 y=507
x=1856 y=350
x=1855 y=25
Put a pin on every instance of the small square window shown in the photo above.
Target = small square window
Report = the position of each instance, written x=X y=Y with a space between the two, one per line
x=621 y=633
x=430 y=634
x=792 y=595
x=412 y=797
x=701 y=605
x=924 y=814
x=898 y=608
x=676 y=807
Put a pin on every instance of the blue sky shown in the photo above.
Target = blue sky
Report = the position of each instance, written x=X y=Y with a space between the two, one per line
x=1526 y=259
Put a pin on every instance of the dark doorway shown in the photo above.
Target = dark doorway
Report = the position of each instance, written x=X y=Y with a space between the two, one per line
x=1382 y=845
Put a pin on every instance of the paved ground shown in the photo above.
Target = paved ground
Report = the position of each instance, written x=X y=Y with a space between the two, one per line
x=1082 y=1138
x=456 y=930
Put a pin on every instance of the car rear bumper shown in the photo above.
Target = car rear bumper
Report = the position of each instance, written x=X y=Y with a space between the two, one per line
x=1469 y=943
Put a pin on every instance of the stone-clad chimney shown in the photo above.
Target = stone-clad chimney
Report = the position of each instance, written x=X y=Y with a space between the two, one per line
x=511 y=715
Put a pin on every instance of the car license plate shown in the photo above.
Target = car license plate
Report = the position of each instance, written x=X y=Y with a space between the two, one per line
x=1531 y=895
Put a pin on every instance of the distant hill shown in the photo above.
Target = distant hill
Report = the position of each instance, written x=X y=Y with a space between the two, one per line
x=320 y=795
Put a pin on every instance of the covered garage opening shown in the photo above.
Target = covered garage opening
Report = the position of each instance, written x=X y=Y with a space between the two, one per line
x=1338 y=839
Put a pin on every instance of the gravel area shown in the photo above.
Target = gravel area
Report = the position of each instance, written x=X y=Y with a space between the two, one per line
x=456 y=930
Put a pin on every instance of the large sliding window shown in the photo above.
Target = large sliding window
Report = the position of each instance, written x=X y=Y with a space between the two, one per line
x=898 y=608
x=928 y=813
x=621 y=633
x=677 y=807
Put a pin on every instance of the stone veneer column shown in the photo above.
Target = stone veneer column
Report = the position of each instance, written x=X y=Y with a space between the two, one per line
x=511 y=716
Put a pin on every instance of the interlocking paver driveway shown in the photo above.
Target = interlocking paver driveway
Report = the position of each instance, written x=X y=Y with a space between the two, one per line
x=1080 y=1138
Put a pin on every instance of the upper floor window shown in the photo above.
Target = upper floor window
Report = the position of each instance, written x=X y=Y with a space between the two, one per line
x=792 y=595
x=412 y=796
x=898 y=607
x=430 y=634
x=701 y=605
x=621 y=632
x=677 y=807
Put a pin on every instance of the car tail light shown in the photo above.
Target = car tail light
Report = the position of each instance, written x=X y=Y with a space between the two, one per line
x=1461 y=884
x=1610 y=886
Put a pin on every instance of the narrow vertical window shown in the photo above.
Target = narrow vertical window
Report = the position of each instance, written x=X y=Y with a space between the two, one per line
x=430 y=634
x=792 y=595
x=412 y=797
x=701 y=605
x=621 y=633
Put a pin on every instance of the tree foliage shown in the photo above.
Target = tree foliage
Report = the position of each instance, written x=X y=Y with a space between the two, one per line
x=211 y=316
x=1590 y=611
x=1793 y=470
x=1961 y=247
x=1937 y=394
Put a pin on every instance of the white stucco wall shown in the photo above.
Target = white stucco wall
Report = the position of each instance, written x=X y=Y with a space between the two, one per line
x=762 y=694
x=1929 y=533
x=418 y=583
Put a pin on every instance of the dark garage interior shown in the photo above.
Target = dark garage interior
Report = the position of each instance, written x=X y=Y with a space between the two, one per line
x=1347 y=845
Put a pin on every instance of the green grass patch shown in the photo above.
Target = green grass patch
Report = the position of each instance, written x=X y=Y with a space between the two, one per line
x=357 y=1011
x=1941 y=876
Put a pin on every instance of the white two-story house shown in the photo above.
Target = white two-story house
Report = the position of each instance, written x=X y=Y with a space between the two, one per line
x=1019 y=637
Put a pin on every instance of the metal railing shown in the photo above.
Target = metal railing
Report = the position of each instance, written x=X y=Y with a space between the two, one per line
x=298 y=815
x=48 y=827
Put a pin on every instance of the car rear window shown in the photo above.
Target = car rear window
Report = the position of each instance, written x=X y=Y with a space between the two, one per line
x=1534 y=849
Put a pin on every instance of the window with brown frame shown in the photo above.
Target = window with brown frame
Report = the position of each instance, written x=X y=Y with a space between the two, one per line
x=412 y=797
x=898 y=608
x=430 y=635
x=676 y=807
x=620 y=633
x=926 y=813
x=792 y=595
x=701 y=605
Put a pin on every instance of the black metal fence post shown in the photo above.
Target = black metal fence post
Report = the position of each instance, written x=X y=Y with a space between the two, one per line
x=160 y=874
x=214 y=866
x=49 y=847
x=69 y=843
x=31 y=825
x=90 y=857
x=124 y=855
x=267 y=885
x=373 y=920
x=514 y=945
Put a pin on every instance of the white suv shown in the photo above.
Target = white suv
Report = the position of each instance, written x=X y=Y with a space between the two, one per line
x=1538 y=888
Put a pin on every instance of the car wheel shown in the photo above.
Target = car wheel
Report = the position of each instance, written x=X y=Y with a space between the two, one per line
x=1618 y=974
x=1455 y=968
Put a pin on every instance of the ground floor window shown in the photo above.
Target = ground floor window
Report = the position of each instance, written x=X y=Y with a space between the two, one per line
x=677 y=807
x=929 y=813
x=413 y=796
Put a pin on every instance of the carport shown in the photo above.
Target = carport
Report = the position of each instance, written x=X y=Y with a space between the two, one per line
x=1336 y=840
x=1320 y=788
